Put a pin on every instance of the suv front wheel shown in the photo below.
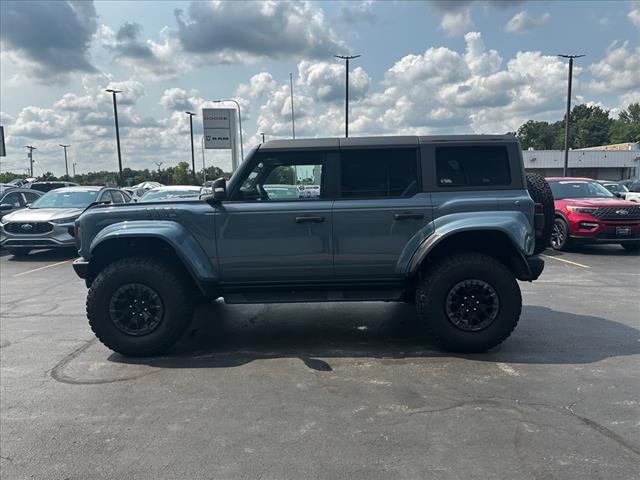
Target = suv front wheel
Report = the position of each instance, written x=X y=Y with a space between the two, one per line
x=469 y=302
x=139 y=306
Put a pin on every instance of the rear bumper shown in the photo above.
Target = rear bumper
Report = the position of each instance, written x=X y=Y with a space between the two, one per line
x=81 y=267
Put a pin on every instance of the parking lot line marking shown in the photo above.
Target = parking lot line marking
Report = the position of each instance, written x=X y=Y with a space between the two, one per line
x=42 y=268
x=566 y=261
x=509 y=370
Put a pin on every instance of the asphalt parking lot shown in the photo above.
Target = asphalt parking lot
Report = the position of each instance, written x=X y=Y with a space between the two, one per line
x=340 y=390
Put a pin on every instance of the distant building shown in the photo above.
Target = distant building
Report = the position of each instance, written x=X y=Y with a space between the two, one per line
x=614 y=146
x=597 y=162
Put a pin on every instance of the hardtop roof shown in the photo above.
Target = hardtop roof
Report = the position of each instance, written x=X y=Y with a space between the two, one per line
x=381 y=141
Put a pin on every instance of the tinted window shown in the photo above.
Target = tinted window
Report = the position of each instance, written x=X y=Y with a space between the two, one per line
x=472 y=166
x=578 y=189
x=378 y=173
x=66 y=199
x=284 y=177
x=117 y=197
x=30 y=197
x=12 y=199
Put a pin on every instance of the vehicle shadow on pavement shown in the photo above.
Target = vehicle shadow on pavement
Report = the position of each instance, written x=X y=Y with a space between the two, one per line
x=44 y=255
x=232 y=335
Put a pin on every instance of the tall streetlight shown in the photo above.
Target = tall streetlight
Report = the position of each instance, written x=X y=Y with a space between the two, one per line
x=262 y=136
x=566 y=125
x=74 y=169
x=115 y=115
x=30 y=156
x=66 y=165
x=293 y=118
x=193 y=161
x=239 y=120
x=204 y=165
x=346 y=97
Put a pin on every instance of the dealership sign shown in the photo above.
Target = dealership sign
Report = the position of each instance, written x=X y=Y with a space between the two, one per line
x=219 y=127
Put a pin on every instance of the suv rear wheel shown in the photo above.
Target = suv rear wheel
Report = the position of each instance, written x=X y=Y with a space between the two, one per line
x=469 y=302
x=139 y=306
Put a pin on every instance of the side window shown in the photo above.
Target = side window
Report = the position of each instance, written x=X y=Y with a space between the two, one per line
x=378 y=173
x=106 y=196
x=472 y=166
x=284 y=177
x=30 y=197
x=12 y=199
x=117 y=196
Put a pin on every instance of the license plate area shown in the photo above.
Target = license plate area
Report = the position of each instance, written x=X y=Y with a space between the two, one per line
x=623 y=231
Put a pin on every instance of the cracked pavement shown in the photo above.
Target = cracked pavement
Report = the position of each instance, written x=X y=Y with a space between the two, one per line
x=344 y=390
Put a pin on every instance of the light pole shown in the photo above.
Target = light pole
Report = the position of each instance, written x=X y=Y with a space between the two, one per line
x=346 y=97
x=262 y=136
x=74 y=170
x=115 y=115
x=566 y=125
x=30 y=156
x=193 y=158
x=66 y=165
x=239 y=120
x=293 y=118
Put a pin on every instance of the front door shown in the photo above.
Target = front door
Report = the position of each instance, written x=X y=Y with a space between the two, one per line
x=277 y=224
x=380 y=214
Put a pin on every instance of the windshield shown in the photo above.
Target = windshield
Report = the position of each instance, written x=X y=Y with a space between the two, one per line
x=574 y=189
x=152 y=196
x=66 y=199
x=616 y=188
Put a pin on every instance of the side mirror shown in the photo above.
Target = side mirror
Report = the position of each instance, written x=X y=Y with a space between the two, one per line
x=219 y=188
x=619 y=194
x=5 y=206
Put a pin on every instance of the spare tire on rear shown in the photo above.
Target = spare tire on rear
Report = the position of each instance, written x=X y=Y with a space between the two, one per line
x=540 y=192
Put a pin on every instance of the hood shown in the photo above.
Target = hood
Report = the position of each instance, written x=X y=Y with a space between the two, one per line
x=598 y=202
x=42 y=214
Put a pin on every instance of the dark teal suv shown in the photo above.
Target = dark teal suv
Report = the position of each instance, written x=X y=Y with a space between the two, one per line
x=449 y=223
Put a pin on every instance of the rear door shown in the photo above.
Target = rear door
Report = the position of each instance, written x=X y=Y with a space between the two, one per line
x=379 y=212
x=277 y=224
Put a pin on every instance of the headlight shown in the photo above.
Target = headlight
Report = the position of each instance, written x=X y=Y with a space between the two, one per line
x=63 y=220
x=572 y=208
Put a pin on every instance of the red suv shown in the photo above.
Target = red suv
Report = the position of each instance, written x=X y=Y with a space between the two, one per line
x=586 y=212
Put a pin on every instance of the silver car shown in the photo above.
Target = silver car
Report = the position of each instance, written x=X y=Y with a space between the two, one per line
x=49 y=221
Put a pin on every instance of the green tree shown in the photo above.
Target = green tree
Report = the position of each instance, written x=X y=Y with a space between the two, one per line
x=181 y=174
x=539 y=135
x=627 y=127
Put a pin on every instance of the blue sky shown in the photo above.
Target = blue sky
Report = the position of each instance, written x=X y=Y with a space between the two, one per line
x=426 y=67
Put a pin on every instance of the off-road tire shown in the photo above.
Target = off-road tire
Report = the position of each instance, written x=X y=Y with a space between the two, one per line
x=565 y=243
x=19 y=251
x=631 y=246
x=438 y=280
x=167 y=282
x=540 y=192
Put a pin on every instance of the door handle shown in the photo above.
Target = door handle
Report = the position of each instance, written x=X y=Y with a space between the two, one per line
x=408 y=216
x=309 y=219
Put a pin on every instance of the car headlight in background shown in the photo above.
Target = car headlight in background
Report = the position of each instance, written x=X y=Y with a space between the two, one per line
x=572 y=208
x=63 y=220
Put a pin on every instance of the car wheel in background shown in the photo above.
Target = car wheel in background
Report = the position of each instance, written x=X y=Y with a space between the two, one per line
x=560 y=236
x=469 y=302
x=540 y=192
x=631 y=246
x=139 y=306
x=19 y=251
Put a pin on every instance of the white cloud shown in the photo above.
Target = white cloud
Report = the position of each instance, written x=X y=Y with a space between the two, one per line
x=524 y=22
x=619 y=70
x=457 y=22
x=634 y=14
x=260 y=84
x=179 y=99
x=326 y=81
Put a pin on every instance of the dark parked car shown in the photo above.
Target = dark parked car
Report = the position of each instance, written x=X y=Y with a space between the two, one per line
x=47 y=186
x=445 y=222
x=12 y=199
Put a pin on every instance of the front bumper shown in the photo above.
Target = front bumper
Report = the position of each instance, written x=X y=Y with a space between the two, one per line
x=81 y=267
x=60 y=236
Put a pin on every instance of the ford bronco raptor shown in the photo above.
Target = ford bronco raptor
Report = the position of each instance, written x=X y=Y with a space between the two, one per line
x=446 y=222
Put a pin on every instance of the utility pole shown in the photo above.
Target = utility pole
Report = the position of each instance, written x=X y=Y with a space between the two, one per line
x=30 y=156
x=193 y=158
x=566 y=125
x=293 y=118
x=115 y=115
x=204 y=165
x=346 y=97
x=74 y=170
x=159 y=164
x=66 y=165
